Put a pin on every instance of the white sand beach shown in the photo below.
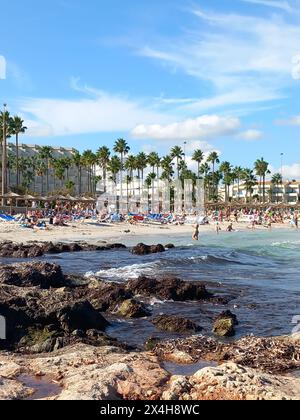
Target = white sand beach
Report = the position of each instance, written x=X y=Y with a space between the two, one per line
x=93 y=232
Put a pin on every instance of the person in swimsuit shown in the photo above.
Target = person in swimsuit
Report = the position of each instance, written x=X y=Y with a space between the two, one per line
x=218 y=228
x=195 y=236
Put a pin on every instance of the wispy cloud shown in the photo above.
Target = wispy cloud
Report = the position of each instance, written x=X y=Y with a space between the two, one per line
x=243 y=59
x=250 y=135
x=277 y=4
x=290 y=121
x=96 y=111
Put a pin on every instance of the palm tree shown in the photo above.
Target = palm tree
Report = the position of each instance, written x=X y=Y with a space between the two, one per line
x=89 y=159
x=141 y=165
x=128 y=180
x=114 y=167
x=46 y=154
x=122 y=148
x=167 y=168
x=60 y=170
x=178 y=154
x=239 y=173
x=130 y=166
x=250 y=181
x=77 y=162
x=41 y=171
x=17 y=127
x=276 y=181
x=213 y=158
x=198 y=157
x=103 y=156
x=154 y=162
x=261 y=168
x=5 y=124
x=226 y=171
x=149 y=182
x=70 y=187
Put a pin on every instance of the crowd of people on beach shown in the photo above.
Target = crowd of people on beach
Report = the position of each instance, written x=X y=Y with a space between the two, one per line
x=61 y=214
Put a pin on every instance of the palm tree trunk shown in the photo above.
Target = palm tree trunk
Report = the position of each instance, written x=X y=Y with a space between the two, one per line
x=17 y=157
x=47 y=175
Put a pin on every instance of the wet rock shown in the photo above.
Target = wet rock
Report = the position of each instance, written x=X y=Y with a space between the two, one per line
x=170 y=246
x=169 y=288
x=224 y=324
x=131 y=308
x=224 y=327
x=116 y=246
x=228 y=314
x=105 y=296
x=142 y=249
x=41 y=274
x=177 y=324
x=38 y=249
x=83 y=316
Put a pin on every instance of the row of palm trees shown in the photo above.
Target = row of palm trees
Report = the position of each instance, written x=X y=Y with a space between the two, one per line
x=50 y=170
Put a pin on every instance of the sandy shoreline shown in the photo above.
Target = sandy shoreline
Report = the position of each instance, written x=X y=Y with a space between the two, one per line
x=93 y=232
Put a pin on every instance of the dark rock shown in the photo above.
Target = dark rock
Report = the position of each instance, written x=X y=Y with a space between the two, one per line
x=38 y=249
x=81 y=316
x=169 y=288
x=177 y=324
x=105 y=296
x=170 y=246
x=228 y=314
x=131 y=308
x=224 y=324
x=116 y=246
x=142 y=249
x=155 y=249
x=41 y=274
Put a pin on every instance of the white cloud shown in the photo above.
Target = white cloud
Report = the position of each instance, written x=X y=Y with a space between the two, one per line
x=2 y=67
x=283 y=5
x=206 y=126
x=250 y=135
x=291 y=171
x=100 y=113
x=245 y=59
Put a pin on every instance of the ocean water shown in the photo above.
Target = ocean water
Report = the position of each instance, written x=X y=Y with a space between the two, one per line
x=258 y=270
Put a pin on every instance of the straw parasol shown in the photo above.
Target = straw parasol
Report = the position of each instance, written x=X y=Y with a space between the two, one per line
x=11 y=195
x=70 y=198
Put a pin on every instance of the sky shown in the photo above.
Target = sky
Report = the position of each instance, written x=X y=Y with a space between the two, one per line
x=218 y=75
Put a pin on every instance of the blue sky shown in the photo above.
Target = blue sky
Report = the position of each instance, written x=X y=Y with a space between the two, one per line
x=222 y=75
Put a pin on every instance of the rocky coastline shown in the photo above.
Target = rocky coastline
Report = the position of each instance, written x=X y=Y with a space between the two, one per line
x=57 y=331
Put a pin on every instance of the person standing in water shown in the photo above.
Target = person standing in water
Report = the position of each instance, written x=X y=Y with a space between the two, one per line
x=195 y=236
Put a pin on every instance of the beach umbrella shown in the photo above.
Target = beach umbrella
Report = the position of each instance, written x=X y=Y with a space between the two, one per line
x=41 y=198
x=11 y=195
x=70 y=198
x=28 y=197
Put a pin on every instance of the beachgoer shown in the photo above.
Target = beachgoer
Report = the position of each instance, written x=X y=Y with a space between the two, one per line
x=230 y=228
x=195 y=236
x=218 y=228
